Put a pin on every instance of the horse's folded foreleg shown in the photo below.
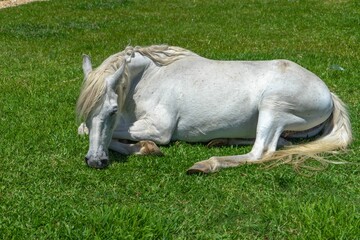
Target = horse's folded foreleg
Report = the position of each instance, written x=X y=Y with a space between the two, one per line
x=140 y=148
x=156 y=129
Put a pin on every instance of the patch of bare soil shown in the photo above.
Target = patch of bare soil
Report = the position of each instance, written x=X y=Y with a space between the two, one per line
x=14 y=3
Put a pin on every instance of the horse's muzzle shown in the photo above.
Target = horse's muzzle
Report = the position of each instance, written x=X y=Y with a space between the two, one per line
x=103 y=162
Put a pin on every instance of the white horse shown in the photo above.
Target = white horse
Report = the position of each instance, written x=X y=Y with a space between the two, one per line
x=158 y=94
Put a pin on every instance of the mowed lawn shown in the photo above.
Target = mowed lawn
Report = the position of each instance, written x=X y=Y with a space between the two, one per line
x=47 y=191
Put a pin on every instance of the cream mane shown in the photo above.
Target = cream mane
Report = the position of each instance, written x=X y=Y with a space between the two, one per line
x=93 y=88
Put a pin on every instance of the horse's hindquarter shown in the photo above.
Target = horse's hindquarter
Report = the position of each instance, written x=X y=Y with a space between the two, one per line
x=298 y=94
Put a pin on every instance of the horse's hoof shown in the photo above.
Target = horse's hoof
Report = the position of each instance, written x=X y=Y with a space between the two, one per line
x=150 y=148
x=217 y=143
x=198 y=168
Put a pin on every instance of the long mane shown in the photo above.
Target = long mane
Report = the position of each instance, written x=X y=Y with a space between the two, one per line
x=93 y=88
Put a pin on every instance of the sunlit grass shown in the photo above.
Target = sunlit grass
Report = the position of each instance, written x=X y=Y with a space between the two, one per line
x=47 y=192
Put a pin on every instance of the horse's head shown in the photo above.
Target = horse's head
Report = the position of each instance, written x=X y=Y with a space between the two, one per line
x=101 y=119
x=105 y=88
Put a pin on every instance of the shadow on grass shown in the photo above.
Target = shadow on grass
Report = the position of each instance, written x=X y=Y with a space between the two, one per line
x=116 y=157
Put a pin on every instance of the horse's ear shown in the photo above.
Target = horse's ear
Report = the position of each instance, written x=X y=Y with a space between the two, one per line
x=86 y=66
x=113 y=80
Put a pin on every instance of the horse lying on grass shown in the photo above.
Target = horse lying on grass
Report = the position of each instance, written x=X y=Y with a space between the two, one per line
x=157 y=94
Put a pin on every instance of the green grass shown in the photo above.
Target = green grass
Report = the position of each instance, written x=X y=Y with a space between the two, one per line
x=47 y=192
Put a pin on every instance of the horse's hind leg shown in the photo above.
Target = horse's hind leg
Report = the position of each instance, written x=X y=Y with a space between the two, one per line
x=269 y=128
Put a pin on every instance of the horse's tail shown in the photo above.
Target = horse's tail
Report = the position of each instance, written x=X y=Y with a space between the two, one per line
x=336 y=136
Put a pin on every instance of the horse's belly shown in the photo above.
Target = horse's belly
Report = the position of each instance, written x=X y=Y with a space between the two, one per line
x=224 y=110
x=196 y=130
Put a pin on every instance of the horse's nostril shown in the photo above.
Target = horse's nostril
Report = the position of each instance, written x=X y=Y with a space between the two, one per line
x=97 y=163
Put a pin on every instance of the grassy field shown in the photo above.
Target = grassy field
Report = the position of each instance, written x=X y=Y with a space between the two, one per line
x=46 y=190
